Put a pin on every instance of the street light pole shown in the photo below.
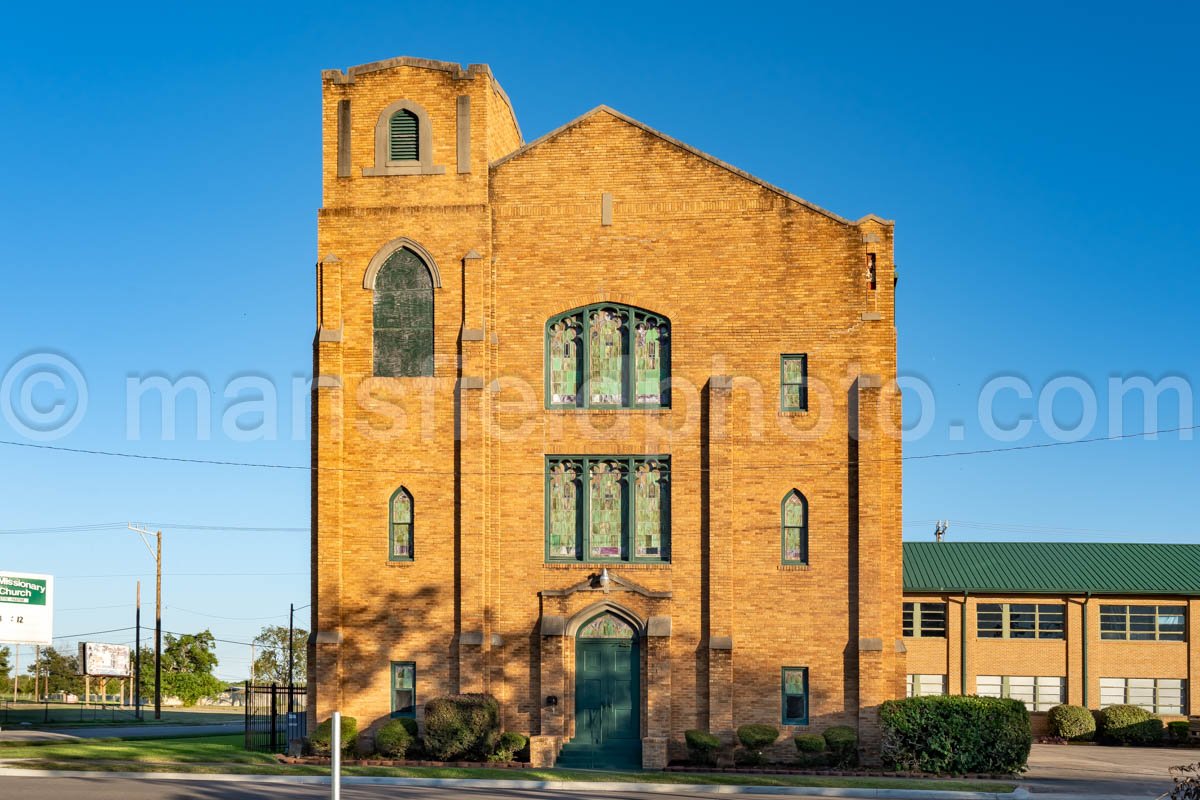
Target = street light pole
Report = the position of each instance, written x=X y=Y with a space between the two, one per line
x=157 y=553
x=137 y=656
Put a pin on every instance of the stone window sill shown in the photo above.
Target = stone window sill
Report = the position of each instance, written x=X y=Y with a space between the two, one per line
x=403 y=169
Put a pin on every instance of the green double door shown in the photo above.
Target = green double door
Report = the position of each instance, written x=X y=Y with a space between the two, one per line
x=607 y=697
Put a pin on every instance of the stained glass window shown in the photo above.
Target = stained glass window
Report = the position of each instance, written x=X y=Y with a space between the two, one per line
x=607 y=356
x=648 y=506
x=795 y=528
x=400 y=546
x=621 y=513
x=403 y=317
x=404 y=689
x=564 y=510
x=795 y=695
x=606 y=626
x=607 y=511
x=793 y=382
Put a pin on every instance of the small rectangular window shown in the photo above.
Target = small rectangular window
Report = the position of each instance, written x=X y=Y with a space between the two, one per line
x=1143 y=623
x=925 y=620
x=925 y=685
x=1020 y=620
x=1037 y=693
x=793 y=382
x=795 y=695
x=404 y=689
x=1156 y=695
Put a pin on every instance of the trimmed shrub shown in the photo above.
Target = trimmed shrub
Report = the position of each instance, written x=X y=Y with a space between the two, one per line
x=1073 y=723
x=1129 y=725
x=321 y=740
x=702 y=747
x=392 y=740
x=462 y=726
x=810 y=743
x=955 y=735
x=508 y=746
x=754 y=738
x=842 y=741
x=1178 y=731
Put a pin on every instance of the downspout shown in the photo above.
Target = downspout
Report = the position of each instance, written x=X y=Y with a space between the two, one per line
x=962 y=633
x=1083 y=609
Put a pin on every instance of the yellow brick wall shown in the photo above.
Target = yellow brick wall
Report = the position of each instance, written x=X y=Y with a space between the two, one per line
x=744 y=273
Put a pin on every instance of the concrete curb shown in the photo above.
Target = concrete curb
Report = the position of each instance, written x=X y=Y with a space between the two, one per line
x=553 y=786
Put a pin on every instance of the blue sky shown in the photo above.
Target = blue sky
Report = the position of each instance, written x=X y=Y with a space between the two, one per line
x=162 y=181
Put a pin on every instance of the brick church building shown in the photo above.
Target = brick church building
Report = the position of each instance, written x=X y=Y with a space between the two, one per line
x=603 y=426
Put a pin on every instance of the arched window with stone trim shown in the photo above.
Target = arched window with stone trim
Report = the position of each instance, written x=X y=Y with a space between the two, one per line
x=794 y=527
x=400 y=526
x=608 y=355
x=403 y=315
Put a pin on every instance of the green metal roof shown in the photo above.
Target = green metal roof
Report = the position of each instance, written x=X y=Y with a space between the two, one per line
x=1052 y=568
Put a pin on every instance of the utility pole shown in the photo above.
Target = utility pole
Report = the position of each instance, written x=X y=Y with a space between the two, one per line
x=157 y=553
x=939 y=530
x=137 y=655
x=291 y=669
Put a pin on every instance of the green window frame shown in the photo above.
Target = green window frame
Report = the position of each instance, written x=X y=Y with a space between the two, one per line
x=793 y=687
x=1021 y=620
x=1143 y=623
x=608 y=355
x=404 y=688
x=401 y=513
x=925 y=620
x=601 y=509
x=793 y=528
x=793 y=382
x=404 y=140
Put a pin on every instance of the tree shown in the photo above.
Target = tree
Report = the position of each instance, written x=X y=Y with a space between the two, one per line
x=188 y=661
x=271 y=657
x=62 y=669
x=4 y=664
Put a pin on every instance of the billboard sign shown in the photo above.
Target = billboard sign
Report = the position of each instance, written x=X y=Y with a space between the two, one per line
x=26 y=608
x=103 y=660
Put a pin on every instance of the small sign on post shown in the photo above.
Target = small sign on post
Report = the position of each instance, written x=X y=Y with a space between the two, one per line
x=335 y=761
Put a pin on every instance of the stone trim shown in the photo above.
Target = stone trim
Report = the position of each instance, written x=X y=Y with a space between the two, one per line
x=471 y=638
x=424 y=164
x=871 y=316
x=329 y=334
x=720 y=643
x=616 y=584
x=497 y=640
x=329 y=382
x=870 y=644
x=343 y=139
x=553 y=625
x=385 y=252
x=328 y=637
x=658 y=626
x=870 y=382
x=463 y=134
x=470 y=382
x=606 y=208
x=721 y=383
x=472 y=334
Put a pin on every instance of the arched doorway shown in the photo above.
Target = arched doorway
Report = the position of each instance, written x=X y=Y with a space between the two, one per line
x=607 y=696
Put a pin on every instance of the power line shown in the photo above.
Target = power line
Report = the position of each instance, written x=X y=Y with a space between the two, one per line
x=173 y=526
x=840 y=462
x=93 y=633
x=217 y=616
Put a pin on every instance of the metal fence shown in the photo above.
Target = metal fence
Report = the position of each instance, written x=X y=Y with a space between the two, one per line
x=274 y=716
x=16 y=712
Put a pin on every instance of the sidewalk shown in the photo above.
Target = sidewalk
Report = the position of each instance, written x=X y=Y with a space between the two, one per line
x=142 y=731
x=1102 y=773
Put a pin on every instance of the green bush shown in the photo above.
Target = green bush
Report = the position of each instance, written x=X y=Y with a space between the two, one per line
x=321 y=740
x=810 y=743
x=842 y=741
x=462 y=726
x=1074 y=723
x=754 y=738
x=702 y=747
x=509 y=745
x=955 y=735
x=1179 y=730
x=1129 y=725
x=392 y=740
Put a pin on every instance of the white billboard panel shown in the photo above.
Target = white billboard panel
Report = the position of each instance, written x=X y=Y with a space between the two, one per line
x=104 y=660
x=26 y=608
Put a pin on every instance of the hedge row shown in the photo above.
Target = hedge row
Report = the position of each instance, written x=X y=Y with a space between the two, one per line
x=955 y=735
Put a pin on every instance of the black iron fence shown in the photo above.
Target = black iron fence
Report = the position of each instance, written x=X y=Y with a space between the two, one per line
x=275 y=715
x=17 y=712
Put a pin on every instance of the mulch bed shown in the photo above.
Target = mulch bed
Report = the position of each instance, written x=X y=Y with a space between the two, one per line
x=839 y=773
x=323 y=761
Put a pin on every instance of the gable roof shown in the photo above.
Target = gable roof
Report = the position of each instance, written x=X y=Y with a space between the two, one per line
x=687 y=148
x=1052 y=568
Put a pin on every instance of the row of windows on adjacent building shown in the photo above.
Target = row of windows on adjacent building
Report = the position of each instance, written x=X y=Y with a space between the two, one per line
x=1041 y=693
x=609 y=508
x=1046 y=621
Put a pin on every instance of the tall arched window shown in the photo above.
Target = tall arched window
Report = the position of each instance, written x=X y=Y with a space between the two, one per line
x=608 y=356
x=794 y=527
x=403 y=340
x=400 y=527
x=403 y=138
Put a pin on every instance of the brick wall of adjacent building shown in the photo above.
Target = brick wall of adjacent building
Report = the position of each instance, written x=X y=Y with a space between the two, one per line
x=744 y=273
x=1055 y=658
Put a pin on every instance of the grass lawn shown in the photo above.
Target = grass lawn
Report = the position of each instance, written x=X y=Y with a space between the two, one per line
x=225 y=754
x=77 y=715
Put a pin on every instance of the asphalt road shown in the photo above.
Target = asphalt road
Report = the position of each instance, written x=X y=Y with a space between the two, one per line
x=115 y=787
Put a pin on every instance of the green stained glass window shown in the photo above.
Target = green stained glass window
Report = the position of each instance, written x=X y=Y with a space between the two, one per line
x=606 y=626
x=565 y=346
x=795 y=695
x=793 y=382
x=404 y=689
x=563 y=538
x=606 y=529
x=608 y=356
x=795 y=528
x=621 y=513
x=403 y=317
x=648 y=510
x=400 y=544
